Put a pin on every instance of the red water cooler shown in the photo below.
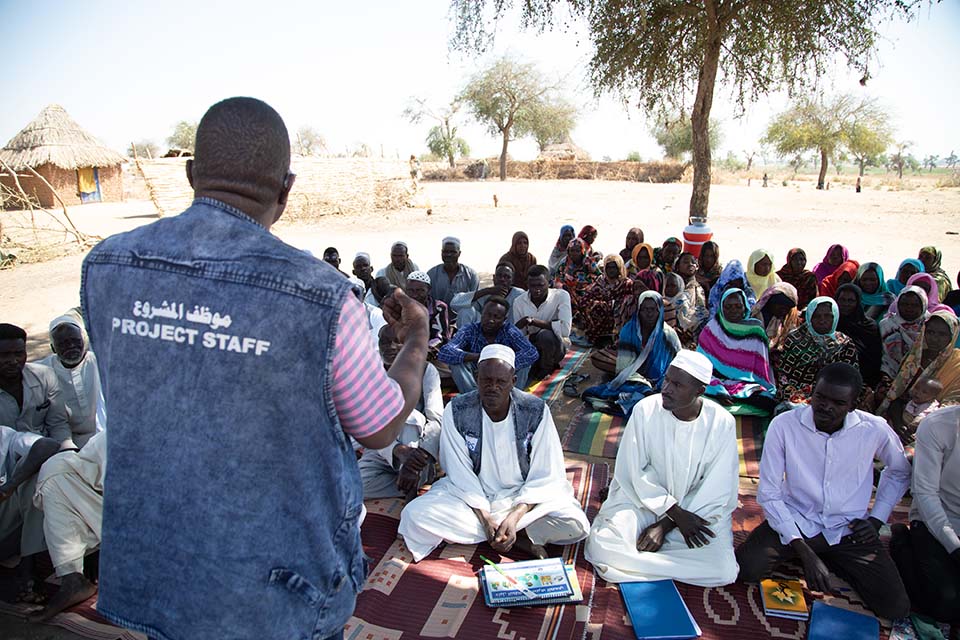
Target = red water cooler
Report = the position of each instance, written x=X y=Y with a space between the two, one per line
x=695 y=234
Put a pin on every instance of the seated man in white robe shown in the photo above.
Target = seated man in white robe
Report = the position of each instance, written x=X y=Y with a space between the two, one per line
x=400 y=469
x=506 y=481
x=668 y=515
x=76 y=369
x=70 y=493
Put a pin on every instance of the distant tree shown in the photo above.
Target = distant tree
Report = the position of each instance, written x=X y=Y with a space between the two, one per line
x=552 y=122
x=750 y=154
x=951 y=160
x=867 y=138
x=145 y=149
x=442 y=139
x=824 y=126
x=675 y=135
x=509 y=97
x=930 y=162
x=184 y=135
x=732 y=162
x=309 y=141
x=666 y=52
x=609 y=159
x=634 y=156
x=901 y=159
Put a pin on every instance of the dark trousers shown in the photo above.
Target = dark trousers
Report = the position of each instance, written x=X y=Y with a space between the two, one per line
x=551 y=351
x=867 y=567
x=931 y=576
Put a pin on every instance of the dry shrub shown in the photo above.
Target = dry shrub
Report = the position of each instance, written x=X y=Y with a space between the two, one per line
x=29 y=233
x=656 y=172
x=949 y=180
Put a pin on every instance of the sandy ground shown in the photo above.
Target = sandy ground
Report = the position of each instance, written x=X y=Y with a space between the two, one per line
x=885 y=226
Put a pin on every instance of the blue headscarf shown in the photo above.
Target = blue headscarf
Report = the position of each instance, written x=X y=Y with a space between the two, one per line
x=733 y=271
x=834 y=309
x=563 y=230
x=882 y=296
x=894 y=285
x=660 y=349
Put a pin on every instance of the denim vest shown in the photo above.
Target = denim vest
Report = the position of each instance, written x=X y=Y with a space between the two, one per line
x=526 y=410
x=232 y=495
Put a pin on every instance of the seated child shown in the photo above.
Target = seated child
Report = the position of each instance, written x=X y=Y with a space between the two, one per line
x=923 y=402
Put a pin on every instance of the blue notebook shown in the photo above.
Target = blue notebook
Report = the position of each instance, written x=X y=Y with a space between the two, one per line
x=657 y=611
x=832 y=623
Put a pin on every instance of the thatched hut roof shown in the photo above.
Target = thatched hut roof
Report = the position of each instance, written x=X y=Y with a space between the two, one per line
x=564 y=151
x=53 y=137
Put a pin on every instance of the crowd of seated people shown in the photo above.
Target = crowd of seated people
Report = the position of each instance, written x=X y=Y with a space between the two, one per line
x=837 y=353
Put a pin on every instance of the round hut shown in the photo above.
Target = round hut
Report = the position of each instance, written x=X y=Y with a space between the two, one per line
x=70 y=159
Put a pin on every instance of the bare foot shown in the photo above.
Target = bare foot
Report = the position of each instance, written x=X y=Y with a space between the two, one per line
x=74 y=589
x=525 y=544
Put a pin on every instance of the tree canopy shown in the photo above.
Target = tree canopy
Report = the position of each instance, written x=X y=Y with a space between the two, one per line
x=442 y=140
x=144 y=149
x=513 y=99
x=664 y=53
x=675 y=135
x=828 y=126
x=184 y=135
x=309 y=141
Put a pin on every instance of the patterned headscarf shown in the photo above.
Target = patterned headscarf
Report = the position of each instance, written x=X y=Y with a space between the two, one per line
x=943 y=280
x=732 y=272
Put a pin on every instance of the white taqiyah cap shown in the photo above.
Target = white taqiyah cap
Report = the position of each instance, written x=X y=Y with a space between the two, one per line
x=499 y=352
x=694 y=363
x=420 y=276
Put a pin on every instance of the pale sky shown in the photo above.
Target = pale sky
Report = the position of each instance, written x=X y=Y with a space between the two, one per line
x=129 y=71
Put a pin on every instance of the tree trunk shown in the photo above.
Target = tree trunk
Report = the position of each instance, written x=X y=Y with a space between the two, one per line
x=450 y=159
x=900 y=170
x=749 y=162
x=863 y=164
x=503 y=154
x=700 y=117
x=821 y=180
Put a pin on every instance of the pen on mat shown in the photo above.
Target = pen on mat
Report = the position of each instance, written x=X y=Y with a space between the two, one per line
x=523 y=589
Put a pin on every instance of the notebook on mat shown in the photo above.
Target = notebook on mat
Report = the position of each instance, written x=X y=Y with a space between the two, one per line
x=832 y=623
x=657 y=611
x=784 y=599
x=549 y=581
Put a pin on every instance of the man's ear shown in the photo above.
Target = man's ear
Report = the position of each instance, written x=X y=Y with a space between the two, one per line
x=189 y=167
x=287 y=186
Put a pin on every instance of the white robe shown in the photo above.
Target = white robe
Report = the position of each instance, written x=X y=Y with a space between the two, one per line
x=70 y=493
x=81 y=394
x=445 y=512
x=663 y=461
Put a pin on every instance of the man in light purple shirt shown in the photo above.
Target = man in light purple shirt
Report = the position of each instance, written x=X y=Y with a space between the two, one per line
x=816 y=480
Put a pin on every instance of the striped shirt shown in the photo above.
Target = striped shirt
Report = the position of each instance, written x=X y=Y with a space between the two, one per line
x=365 y=397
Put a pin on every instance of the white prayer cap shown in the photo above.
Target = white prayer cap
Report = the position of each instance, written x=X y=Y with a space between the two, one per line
x=420 y=276
x=361 y=254
x=70 y=317
x=694 y=363
x=451 y=240
x=498 y=352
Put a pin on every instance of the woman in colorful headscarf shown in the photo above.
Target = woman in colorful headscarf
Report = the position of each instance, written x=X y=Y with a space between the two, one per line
x=559 y=251
x=864 y=332
x=777 y=309
x=641 y=267
x=737 y=346
x=575 y=273
x=845 y=273
x=926 y=282
x=900 y=328
x=796 y=273
x=932 y=355
x=665 y=256
x=906 y=269
x=644 y=352
x=931 y=259
x=589 y=235
x=876 y=299
x=708 y=266
x=679 y=311
x=696 y=312
x=634 y=237
x=810 y=347
x=837 y=254
x=520 y=258
x=760 y=273
x=732 y=277
x=603 y=302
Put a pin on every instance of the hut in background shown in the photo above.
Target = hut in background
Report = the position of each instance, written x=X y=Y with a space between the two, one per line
x=76 y=164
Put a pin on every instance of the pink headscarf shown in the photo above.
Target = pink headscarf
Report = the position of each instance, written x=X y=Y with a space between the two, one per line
x=933 y=298
x=824 y=268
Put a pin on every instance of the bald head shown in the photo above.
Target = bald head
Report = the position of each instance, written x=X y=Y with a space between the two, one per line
x=242 y=153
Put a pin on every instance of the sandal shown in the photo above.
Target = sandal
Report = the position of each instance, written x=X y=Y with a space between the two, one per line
x=570 y=384
x=29 y=595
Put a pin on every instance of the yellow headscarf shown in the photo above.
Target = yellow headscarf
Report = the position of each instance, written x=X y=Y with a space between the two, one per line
x=759 y=284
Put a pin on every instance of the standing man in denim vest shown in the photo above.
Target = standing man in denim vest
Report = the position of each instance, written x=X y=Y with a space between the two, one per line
x=506 y=480
x=234 y=366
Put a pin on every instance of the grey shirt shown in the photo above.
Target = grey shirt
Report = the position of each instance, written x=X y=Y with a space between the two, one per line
x=43 y=409
x=936 y=477
x=443 y=288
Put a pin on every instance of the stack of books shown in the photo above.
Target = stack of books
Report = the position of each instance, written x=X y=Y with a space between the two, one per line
x=531 y=583
x=784 y=599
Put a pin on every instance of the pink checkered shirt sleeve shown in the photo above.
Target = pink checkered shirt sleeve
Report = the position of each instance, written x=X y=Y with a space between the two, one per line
x=365 y=397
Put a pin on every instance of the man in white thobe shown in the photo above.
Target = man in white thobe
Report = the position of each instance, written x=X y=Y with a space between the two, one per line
x=70 y=493
x=76 y=369
x=408 y=463
x=506 y=481
x=668 y=515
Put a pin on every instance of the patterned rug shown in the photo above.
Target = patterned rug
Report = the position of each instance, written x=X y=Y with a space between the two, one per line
x=551 y=386
x=598 y=434
x=733 y=611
